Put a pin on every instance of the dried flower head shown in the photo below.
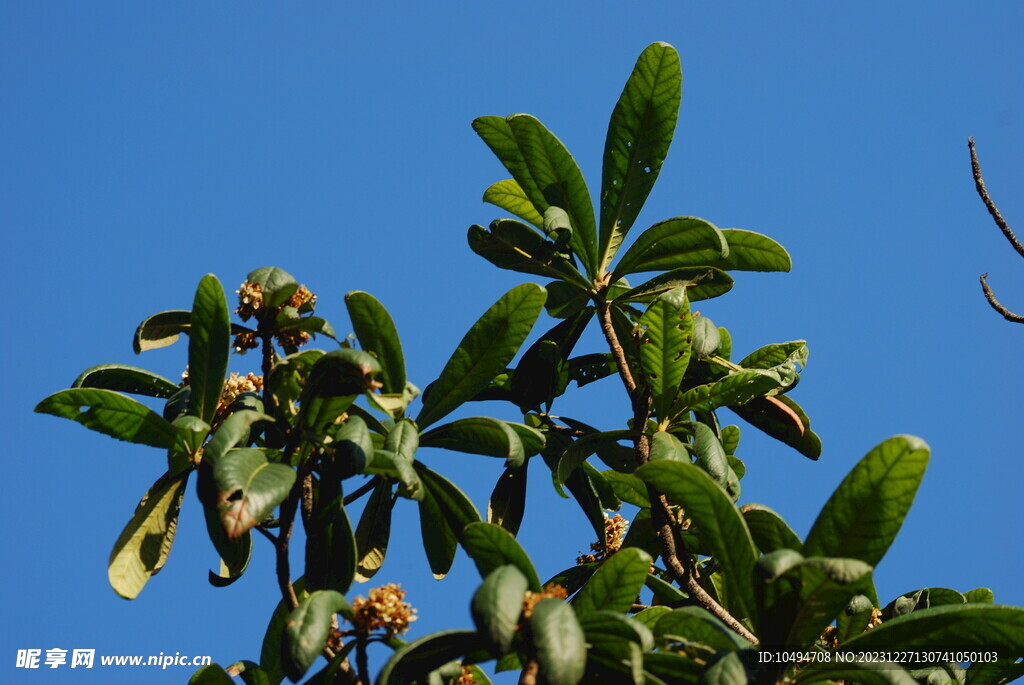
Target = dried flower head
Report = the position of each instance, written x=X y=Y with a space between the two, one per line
x=235 y=385
x=466 y=677
x=876 y=618
x=384 y=609
x=184 y=377
x=292 y=338
x=245 y=341
x=302 y=297
x=530 y=599
x=250 y=300
x=614 y=533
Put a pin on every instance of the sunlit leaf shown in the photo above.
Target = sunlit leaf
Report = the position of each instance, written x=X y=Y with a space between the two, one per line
x=377 y=334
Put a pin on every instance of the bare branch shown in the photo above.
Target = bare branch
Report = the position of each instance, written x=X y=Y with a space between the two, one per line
x=989 y=204
x=990 y=296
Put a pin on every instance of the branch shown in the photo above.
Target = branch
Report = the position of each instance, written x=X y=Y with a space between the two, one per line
x=529 y=674
x=360 y=491
x=990 y=296
x=979 y=184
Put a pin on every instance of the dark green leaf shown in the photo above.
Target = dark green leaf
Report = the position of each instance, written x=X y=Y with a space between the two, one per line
x=694 y=624
x=305 y=633
x=665 y=592
x=276 y=285
x=559 y=641
x=639 y=135
x=123 y=378
x=234 y=553
x=335 y=380
x=777 y=354
x=373 y=531
x=683 y=241
x=161 y=330
x=864 y=514
x=484 y=352
x=377 y=334
x=749 y=251
x=581 y=449
x=143 y=546
x=248 y=488
x=628 y=488
x=667 y=446
x=585 y=494
x=234 y=430
x=736 y=389
x=412 y=662
x=509 y=244
x=565 y=299
x=720 y=524
x=208 y=347
x=710 y=454
x=543 y=372
x=456 y=507
x=702 y=283
x=783 y=419
x=959 y=626
x=510 y=196
x=606 y=630
x=211 y=674
x=728 y=670
x=508 y=499
x=706 y=337
x=111 y=413
x=665 y=346
x=439 y=541
x=478 y=435
x=591 y=367
x=769 y=531
x=574 y=577
x=331 y=548
x=497 y=605
x=491 y=546
x=616 y=584
x=271 y=652
x=866 y=672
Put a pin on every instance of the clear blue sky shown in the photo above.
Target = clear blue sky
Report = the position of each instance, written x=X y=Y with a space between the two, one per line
x=146 y=145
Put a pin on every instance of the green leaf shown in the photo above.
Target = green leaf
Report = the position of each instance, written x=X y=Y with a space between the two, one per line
x=588 y=368
x=111 y=413
x=439 y=541
x=161 y=330
x=234 y=553
x=777 y=354
x=509 y=244
x=209 y=344
x=512 y=198
x=683 y=241
x=959 y=626
x=273 y=639
x=866 y=672
x=334 y=381
x=720 y=524
x=639 y=135
x=728 y=670
x=491 y=546
x=581 y=449
x=484 y=352
x=234 y=430
x=478 y=435
x=697 y=625
x=628 y=488
x=377 y=334
x=565 y=299
x=706 y=338
x=305 y=633
x=702 y=283
x=248 y=488
x=710 y=455
x=734 y=390
x=980 y=595
x=508 y=499
x=331 y=548
x=412 y=662
x=865 y=513
x=783 y=419
x=769 y=531
x=123 y=378
x=606 y=630
x=559 y=641
x=616 y=584
x=276 y=285
x=497 y=604
x=143 y=546
x=664 y=591
x=456 y=507
x=373 y=531
x=667 y=446
x=211 y=674
x=749 y=251
x=543 y=372
x=582 y=488
x=665 y=346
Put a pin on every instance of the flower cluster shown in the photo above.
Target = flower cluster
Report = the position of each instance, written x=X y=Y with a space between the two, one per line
x=530 y=599
x=383 y=609
x=235 y=385
x=250 y=300
x=614 y=532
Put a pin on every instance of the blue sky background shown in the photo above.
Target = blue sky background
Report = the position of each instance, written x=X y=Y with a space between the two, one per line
x=146 y=145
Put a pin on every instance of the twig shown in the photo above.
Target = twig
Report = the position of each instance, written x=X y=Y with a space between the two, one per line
x=990 y=296
x=605 y=318
x=529 y=674
x=979 y=184
x=362 y=665
x=267 y=534
x=360 y=491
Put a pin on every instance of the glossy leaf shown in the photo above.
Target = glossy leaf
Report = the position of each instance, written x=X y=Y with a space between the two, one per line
x=276 y=285
x=769 y=531
x=378 y=335
x=110 y=413
x=484 y=352
x=639 y=135
x=248 y=488
x=331 y=548
x=508 y=499
x=209 y=344
x=628 y=488
x=305 y=632
x=412 y=662
x=783 y=419
x=509 y=244
x=439 y=541
x=560 y=643
x=665 y=346
x=373 y=531
x=710 y=455
x=865 y=513
x=497 y=604
x=510 y=196
x=143 y=546
x=491 y=546
x=123 y=378
x=616 y=584
x=683 y=241
x=720 y=524
x=478 y=435
x=702 y=283
x=749 y=251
